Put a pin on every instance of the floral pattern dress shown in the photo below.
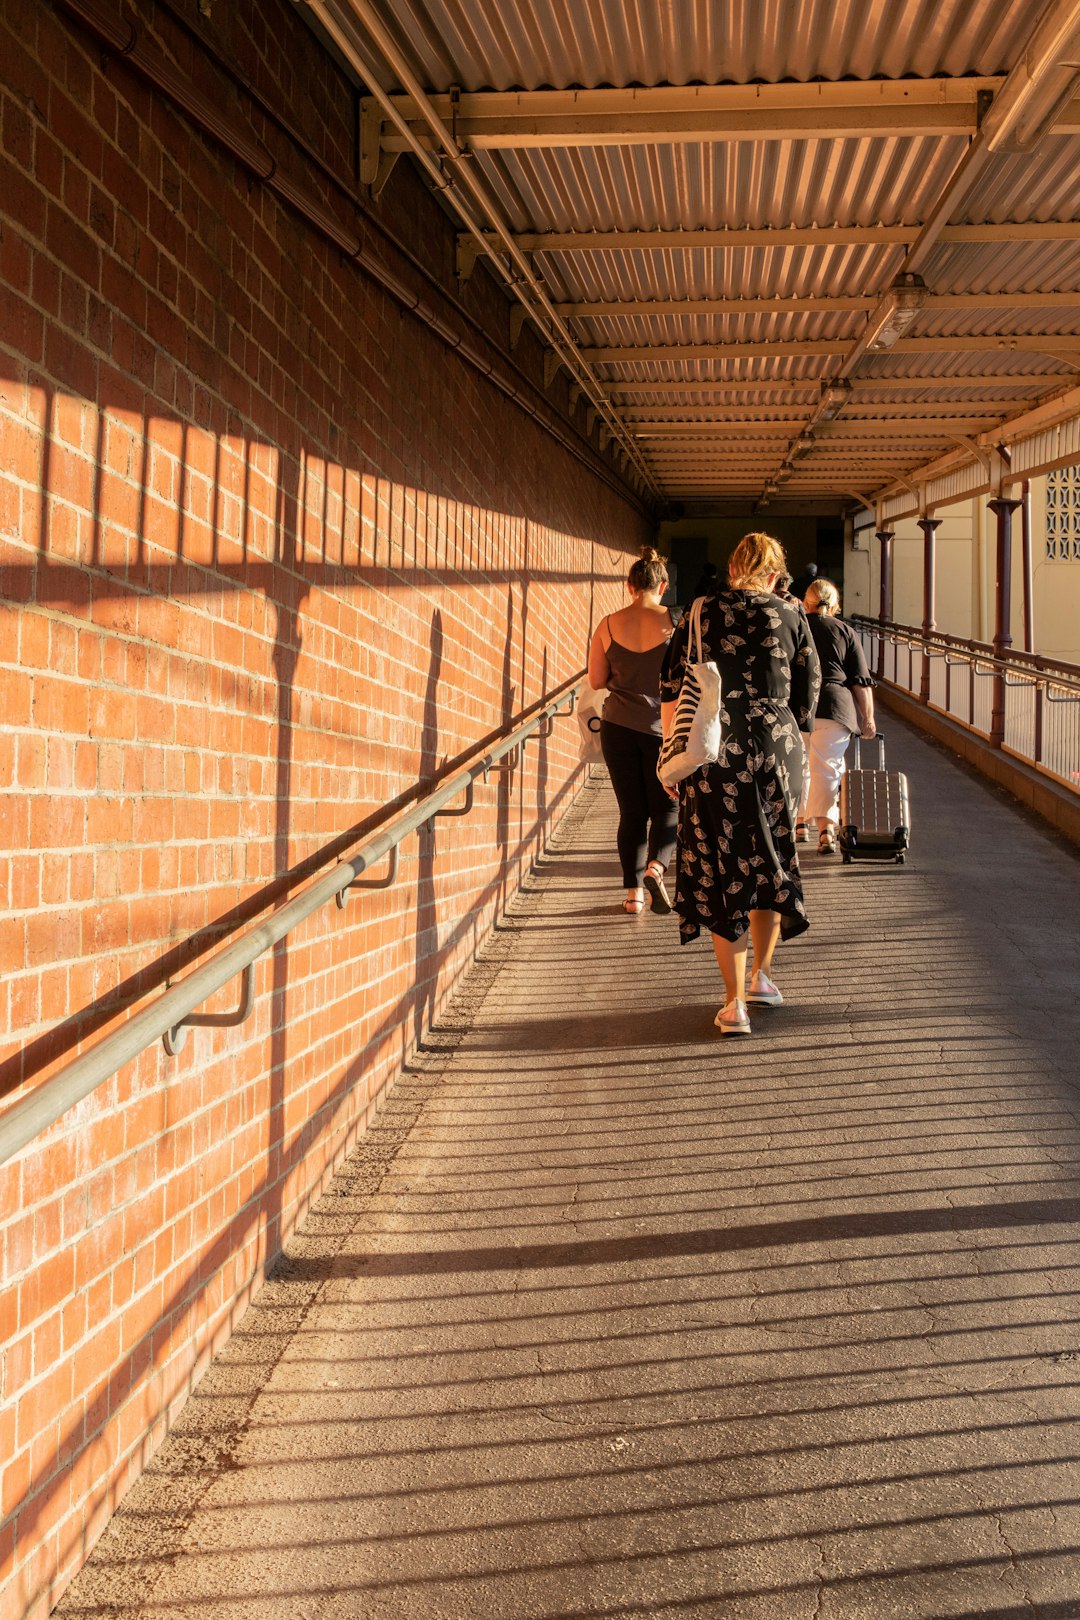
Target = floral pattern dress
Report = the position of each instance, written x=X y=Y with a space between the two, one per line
x=736 y=850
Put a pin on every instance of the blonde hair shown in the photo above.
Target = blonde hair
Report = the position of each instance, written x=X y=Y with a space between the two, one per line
x=822 y=593
x=755 y=556
x=649 y=572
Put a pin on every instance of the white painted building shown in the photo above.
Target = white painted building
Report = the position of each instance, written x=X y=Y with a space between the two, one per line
x=965 y=569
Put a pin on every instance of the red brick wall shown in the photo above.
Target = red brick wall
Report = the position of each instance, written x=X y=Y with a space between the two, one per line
x=269 y=553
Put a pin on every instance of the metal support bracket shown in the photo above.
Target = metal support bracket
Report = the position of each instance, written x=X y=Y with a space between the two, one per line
x=552 y=363
x=175 y=1039
x=371 y=123
x=462 y=809
x=384 y=882
x=506 y=765
x=468 y=251
x=376 y=166
x=387 y=163
x=518 y=315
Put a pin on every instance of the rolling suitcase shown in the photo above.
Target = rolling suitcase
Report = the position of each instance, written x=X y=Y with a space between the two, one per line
x=875 y=820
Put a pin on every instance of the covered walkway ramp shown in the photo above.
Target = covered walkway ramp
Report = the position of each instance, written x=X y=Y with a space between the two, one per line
x=349 y=352
x=606 y=1317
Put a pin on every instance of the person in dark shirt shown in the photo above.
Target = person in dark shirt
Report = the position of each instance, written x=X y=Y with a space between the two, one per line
x=845 y=706
x=706 y=583
x=625 y=657
x=802 y=582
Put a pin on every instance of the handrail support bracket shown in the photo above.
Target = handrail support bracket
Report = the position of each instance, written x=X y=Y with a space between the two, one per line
x=175 y=1039
x=384 y=882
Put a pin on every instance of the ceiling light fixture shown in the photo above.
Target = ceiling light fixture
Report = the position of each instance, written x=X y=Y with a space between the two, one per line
x=834 y=396
x=896 y=312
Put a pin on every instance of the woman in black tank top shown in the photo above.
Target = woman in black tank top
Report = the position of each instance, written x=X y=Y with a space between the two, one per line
x=626 y=656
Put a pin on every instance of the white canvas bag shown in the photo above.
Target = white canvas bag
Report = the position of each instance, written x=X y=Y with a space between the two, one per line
x=695 y=736
x=589 y=705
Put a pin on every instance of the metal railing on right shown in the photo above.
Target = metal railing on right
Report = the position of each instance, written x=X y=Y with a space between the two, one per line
x=1021 y=702
x=168 y=1017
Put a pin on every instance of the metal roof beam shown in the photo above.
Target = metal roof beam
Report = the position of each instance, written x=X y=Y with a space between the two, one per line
x=665 y=353
x=847 y=467
x=811 y=385
x=784 y=236
x=750 y=465
x=643 y=308
x=912 y=427
x=661 y=354
x=666 y=115
x=689 y=431
x=698 y=456
x=739 y=385
x=980 y=379
x=690 y=414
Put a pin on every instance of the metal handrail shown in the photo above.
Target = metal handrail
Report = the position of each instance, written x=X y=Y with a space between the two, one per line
x=169 y=1017
x=1034 y=665
x=1052 y=682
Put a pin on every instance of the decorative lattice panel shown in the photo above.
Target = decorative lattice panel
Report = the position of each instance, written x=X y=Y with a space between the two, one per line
x=1063 y=514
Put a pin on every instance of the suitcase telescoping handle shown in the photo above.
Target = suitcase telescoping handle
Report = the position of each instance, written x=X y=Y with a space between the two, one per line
x=856 y=764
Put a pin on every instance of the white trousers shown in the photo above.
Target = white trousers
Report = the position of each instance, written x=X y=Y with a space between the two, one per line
x=826 y=747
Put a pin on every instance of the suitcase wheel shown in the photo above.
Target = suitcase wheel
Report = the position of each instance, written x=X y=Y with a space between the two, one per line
x=847 y=860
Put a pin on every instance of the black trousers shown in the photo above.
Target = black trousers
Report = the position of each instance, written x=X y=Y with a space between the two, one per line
x=648 y=819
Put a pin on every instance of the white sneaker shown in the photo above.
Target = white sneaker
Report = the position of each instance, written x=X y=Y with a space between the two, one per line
x=733 y=1019
x=763 y=993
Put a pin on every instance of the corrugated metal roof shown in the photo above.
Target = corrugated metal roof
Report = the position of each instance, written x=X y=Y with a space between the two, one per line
x=716 y=272
x=737 y=184
x=871 y=177
x=529 y=44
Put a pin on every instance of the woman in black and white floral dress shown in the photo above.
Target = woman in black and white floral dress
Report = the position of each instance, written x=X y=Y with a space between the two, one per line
x=737 y=869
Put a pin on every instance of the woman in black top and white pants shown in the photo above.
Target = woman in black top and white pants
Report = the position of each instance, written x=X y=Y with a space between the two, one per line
x=846 y=706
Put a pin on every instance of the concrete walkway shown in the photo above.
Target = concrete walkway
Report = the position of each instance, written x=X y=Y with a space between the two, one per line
x=611 y=1317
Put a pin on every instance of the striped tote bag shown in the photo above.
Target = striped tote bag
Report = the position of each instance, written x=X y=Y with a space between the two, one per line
x=694 y=739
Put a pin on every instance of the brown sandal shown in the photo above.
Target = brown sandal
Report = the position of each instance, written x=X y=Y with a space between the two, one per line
x=633 y=907
x=659 y=899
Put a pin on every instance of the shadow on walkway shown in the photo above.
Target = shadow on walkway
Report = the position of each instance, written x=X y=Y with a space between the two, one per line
x=607 y=1316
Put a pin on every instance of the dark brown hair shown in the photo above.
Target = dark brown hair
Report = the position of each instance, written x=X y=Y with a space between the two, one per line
x=649 y=573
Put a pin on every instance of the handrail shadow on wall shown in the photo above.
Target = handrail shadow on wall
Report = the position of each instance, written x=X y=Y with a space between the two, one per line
x=171 y=1015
